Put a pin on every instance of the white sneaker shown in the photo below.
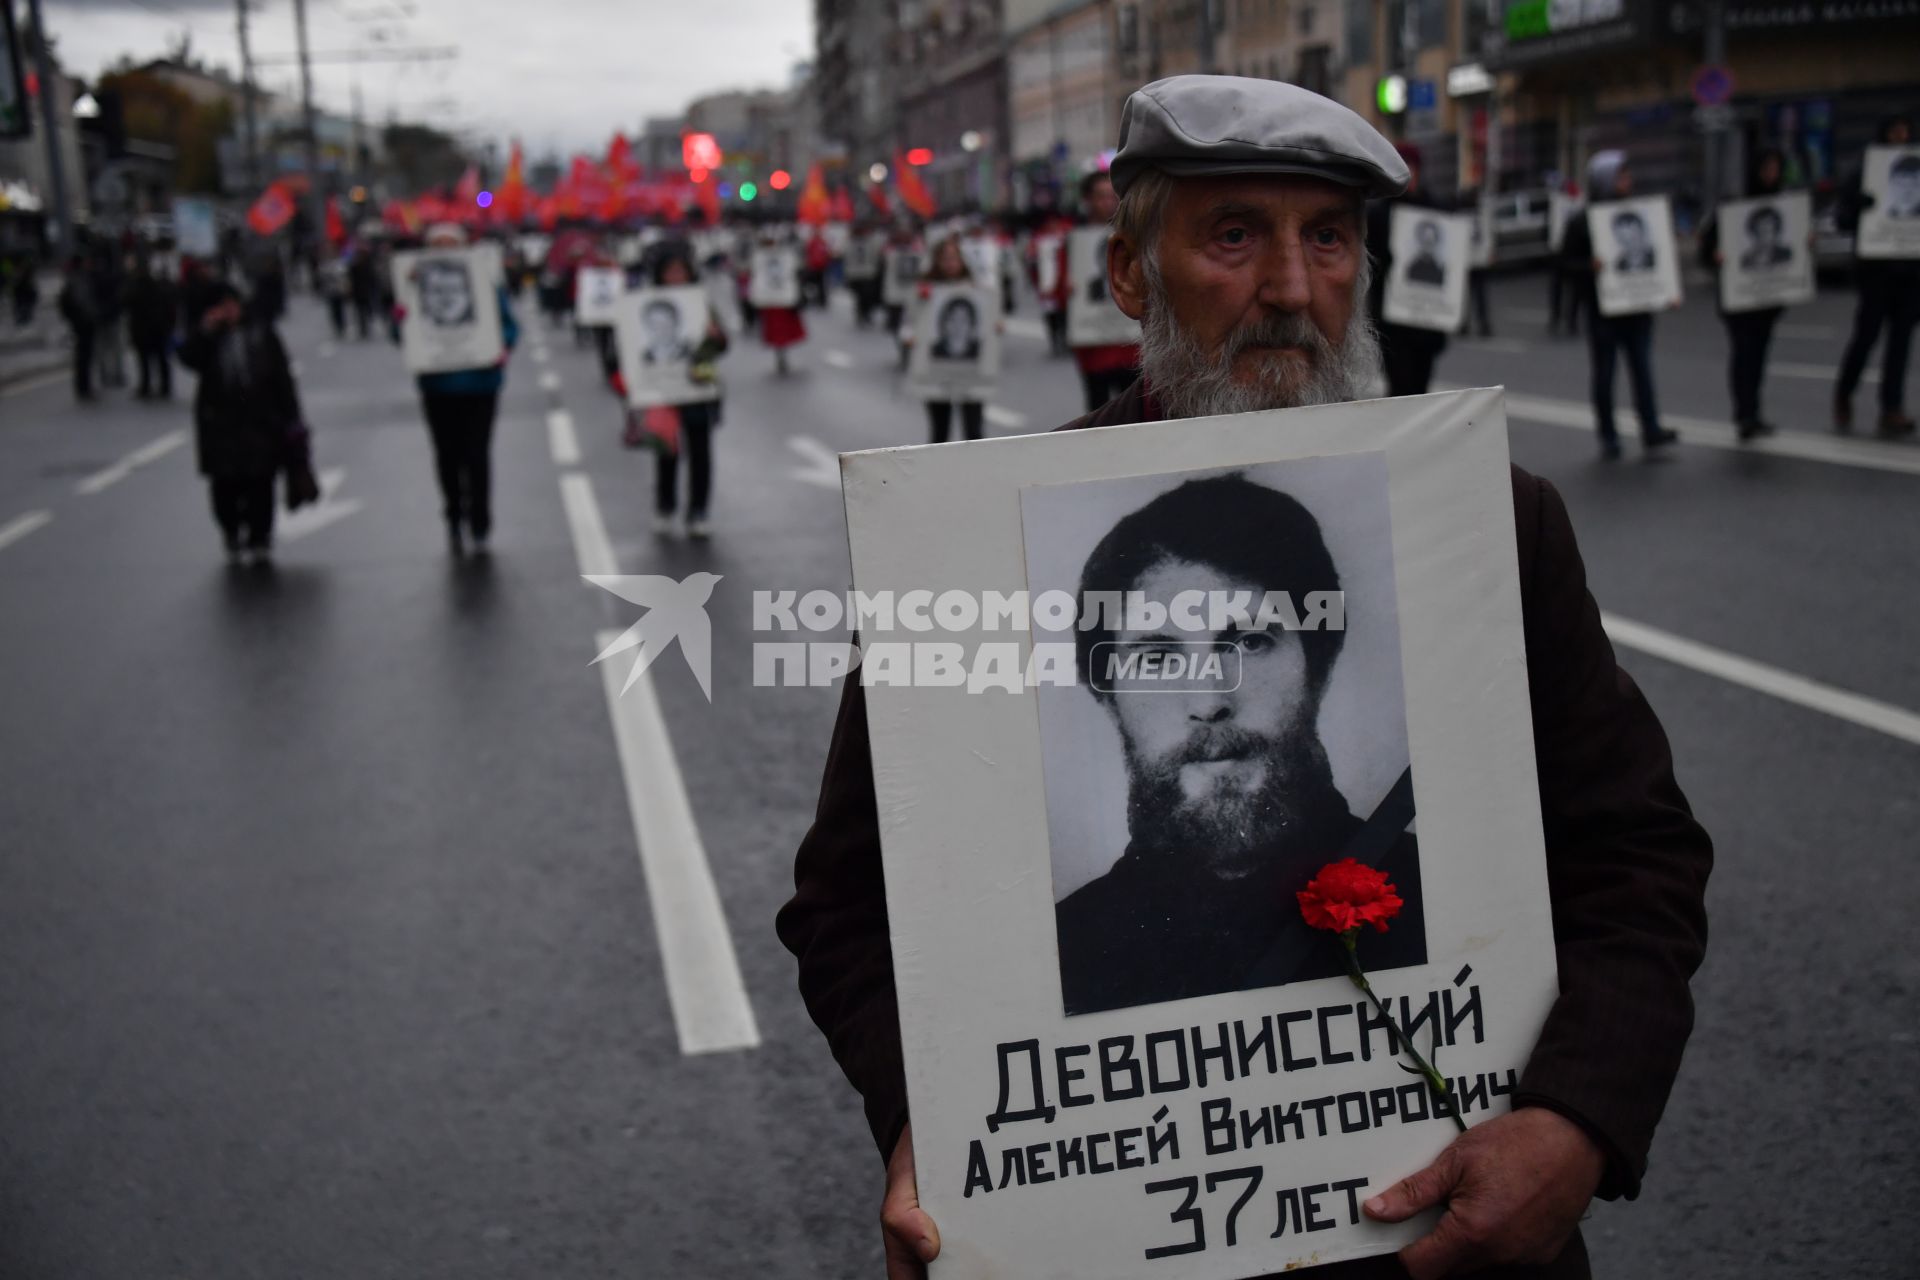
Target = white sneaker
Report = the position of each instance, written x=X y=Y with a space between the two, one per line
x=663 y=525
x=698 y=527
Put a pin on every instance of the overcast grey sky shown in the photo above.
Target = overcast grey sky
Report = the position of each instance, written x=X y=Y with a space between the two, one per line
x=560 y=73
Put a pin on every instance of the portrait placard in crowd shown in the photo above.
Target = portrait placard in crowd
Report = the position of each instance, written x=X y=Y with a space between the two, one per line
x=1890 y=222
x=838 y=236
x=1560 y=208
x=1427 y=283
x=956 y=349
x=1093 y=318
x=1639 y=259
x=596 y=295
x=900 y=275
x=863 y=255
x=658 y=331
x=774 y=278
x=1131 y=1050
x=982 y=256
x=1046 y=264
x=1765 y=257
x=1485 y=239
x=452 y=316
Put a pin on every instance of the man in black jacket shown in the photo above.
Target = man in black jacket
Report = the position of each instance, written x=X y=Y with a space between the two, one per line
x=1240 y=230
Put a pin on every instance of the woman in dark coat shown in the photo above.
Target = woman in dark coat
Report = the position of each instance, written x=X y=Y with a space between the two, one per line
x=244 y=411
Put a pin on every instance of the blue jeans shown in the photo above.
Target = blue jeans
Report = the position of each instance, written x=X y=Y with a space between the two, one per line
x=1607 y=337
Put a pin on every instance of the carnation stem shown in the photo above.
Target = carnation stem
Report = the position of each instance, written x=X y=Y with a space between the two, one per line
x=1435 y=1081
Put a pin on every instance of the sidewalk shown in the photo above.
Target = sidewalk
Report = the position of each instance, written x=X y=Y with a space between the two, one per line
x=38 y=348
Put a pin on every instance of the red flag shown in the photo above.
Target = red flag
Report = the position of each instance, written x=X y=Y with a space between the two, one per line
x=707 y=196
x=913 y=192
x=272 y=211
x=878 y=194
x=841 y=209
x=336 y=224
x=620 y=162
x=814 y=207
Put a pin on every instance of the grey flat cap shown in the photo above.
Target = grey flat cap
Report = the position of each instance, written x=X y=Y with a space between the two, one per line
x=1192 y=125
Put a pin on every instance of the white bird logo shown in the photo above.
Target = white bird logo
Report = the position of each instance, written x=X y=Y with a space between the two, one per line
x=675 y=611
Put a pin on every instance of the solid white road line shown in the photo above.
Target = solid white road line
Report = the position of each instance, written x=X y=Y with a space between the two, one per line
x=1869 y=713
x=820 y=465
x=1816 y=372
x=1011 y=419
x=539 y=355
x=20 y=526
x=330 y=509
x=549 y=380
x=1021 y=327
x=562 y=439
x=152 y=450
x=1709 y=434
x=590 y=543
x=711 y=1011
x=838 y=359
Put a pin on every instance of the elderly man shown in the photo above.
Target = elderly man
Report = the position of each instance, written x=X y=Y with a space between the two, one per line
x=1239 y=246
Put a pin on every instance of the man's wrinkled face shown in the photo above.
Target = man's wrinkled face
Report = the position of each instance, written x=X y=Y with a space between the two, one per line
x=1218 y=774
x=1249 y=299
x=445 y=295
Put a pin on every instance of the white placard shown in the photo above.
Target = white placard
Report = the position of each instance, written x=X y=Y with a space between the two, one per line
x=658 y=330
x=899 y=274
x=1560 y=210
x=982 y=256
x=1046 y=269
x=452 y=314
x=533 y=248
x=1484 y=236
x=1639 y=259
x=838 y=236
x=1427 y=283
x=194 y=230
x=1765 y=257
x=774 y=279
x=956 y=349
x=999 y=808
x=1093 y=318
x=863 y=256
x=596 y=295
x=1890 y=225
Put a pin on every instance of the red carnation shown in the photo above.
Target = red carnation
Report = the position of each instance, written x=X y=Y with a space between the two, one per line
x=1347 y=894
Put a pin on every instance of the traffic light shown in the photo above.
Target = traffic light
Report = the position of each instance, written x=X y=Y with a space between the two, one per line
x=780 y=180
x=920 y=155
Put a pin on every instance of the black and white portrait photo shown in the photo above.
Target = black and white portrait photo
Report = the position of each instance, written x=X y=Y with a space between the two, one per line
x=956 y=343
x=1765 y=247
x=447 y=298
x=1890 y=208
x=1423 y=291
x=1639 y=261
x=657 y=332
x=957 y=330
x=661 y=342
x=1429 y=260
x=1186 y=812
x=1093 y=318
x=1903 y=187
x=1764 y=257
x=446 y=293
x=774 y=276
x=1635 y=252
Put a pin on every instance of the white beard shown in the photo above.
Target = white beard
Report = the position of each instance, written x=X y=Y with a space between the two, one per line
x=1191 y=382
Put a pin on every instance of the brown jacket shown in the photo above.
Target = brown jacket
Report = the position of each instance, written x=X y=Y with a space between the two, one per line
x=1627 y=870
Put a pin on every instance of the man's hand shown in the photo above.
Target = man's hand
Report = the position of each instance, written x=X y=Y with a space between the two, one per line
x=1514 y=1188
x=911 y=1238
